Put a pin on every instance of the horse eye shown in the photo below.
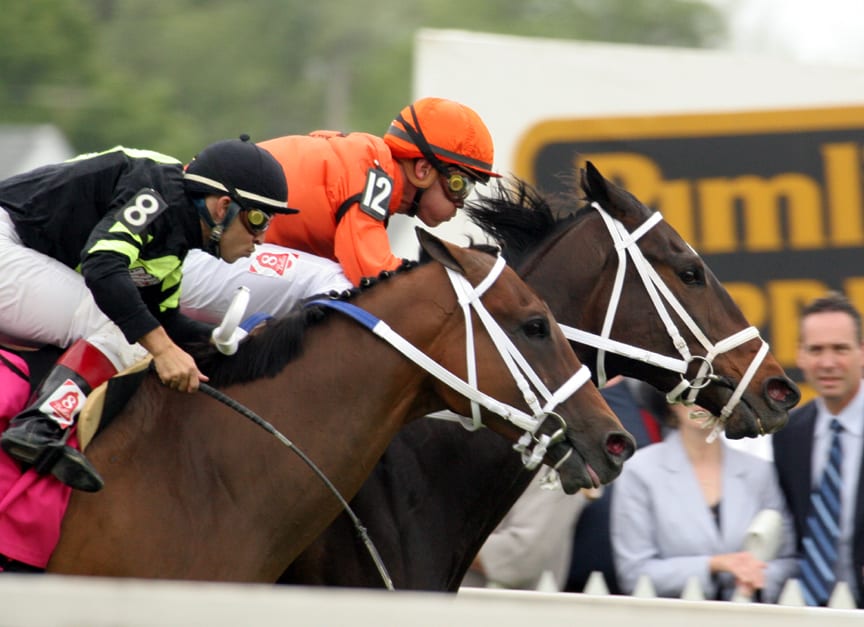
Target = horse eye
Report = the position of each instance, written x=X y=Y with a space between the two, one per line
x=536 y=328
x=691 y=276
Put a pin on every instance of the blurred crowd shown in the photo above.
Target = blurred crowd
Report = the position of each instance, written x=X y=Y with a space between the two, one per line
x=739 y=517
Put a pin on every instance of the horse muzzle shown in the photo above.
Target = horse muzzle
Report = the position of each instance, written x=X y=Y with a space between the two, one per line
x=591 y=471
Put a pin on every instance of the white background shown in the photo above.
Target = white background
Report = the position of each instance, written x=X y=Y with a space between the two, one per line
x=818 y=31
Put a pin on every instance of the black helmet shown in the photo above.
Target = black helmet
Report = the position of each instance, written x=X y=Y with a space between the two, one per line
x=240 y=169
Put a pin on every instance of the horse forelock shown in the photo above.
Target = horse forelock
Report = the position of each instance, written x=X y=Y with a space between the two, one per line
x=519 y=218
x=281 y=341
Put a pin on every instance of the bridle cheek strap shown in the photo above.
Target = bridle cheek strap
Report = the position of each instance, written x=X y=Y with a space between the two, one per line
x=686 y=391
x=523 y=374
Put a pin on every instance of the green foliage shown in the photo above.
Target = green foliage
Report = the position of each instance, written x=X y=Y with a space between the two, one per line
x=47 y=45
x=174 y=75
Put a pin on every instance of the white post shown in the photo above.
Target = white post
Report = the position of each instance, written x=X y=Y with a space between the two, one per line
x=693 y=590
x=841 y=597
x=596 y=584
x=791 y=594
x=644 y=588
x=547 y=582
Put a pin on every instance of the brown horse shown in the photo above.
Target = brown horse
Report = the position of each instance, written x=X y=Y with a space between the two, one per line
x=193 y=491
x=429 y=511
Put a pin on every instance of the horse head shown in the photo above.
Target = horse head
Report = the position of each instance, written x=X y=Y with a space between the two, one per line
x=636 y=299
x=729 y=370
x=587 y=444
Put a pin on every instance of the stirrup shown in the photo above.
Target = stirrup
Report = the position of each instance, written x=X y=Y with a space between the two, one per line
x=69 y=466
x=23 y=443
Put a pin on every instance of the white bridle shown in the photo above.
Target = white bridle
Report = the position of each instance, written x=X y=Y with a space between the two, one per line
x=686 y=391
x=521 y=371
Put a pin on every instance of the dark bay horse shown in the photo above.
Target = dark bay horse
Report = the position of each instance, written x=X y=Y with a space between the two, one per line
x=669 y=303
x=429 y=511
x=194 y=491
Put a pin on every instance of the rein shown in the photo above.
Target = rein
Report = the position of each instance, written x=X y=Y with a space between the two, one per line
x=687 y=390
x=227 y=337
x=521 y=371
x=269 y=428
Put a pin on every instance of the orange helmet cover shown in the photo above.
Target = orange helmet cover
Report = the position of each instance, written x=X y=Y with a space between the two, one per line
x=454 y=132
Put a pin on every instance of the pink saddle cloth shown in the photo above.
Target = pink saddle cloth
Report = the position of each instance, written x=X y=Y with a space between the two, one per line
x=31 y=505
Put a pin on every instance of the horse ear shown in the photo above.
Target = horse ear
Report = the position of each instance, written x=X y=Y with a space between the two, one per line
x=438 y=249
x=594 y=185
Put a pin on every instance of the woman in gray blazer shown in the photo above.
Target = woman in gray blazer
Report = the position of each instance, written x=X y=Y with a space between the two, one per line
x=681 y=509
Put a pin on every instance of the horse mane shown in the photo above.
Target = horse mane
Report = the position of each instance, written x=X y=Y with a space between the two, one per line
x=489 y=249
x=519 y=218
x=266 y=352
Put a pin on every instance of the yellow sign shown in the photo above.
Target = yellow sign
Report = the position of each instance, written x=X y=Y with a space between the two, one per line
x=773 y=200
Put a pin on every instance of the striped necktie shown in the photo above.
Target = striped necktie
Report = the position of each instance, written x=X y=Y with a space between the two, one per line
x=823 y=527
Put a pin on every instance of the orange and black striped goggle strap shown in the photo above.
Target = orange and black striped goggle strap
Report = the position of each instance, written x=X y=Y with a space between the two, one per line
x=414 y=134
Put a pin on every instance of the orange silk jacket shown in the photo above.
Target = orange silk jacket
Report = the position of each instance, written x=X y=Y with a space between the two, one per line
x=345 y=187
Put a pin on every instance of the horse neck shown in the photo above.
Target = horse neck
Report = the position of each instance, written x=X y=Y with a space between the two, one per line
x=202 y=449
x=431 y=502
x=565 y=270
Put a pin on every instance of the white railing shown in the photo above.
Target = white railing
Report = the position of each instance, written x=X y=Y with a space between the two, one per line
x=841 y=597
x=55 y=601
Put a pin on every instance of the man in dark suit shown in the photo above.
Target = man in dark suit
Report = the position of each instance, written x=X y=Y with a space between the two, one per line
x=831 y=356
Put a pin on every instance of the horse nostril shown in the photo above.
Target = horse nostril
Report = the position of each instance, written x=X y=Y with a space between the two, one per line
x=619 y=445
x=783 y=392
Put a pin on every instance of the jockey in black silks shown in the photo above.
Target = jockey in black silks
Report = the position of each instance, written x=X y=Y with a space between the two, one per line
x=92 y=252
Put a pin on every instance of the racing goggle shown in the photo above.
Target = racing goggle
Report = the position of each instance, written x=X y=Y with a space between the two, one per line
x=457 y=185
x=255 y=220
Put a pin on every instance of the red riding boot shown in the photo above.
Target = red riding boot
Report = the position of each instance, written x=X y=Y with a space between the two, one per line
x=37 y=436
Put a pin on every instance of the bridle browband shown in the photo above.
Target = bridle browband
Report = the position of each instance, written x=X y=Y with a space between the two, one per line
x=686 y=391
x=532 y=446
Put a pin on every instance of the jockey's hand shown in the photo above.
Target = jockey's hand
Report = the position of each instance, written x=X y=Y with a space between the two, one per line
x=177 y=370
x=175 y=367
